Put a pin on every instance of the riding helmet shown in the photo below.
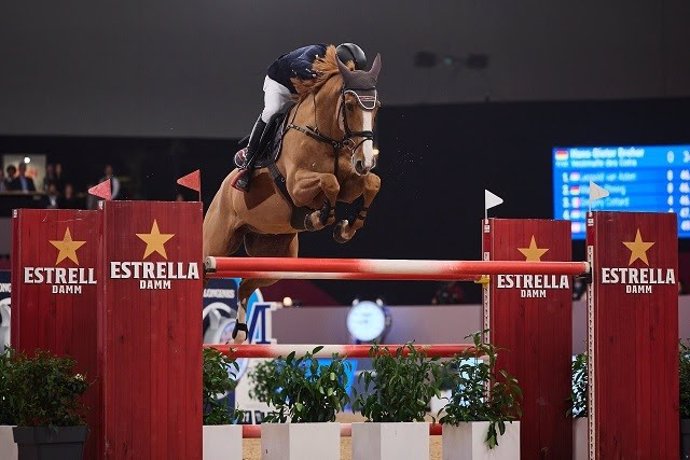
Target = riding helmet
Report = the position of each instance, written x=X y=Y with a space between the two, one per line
x=352 y=52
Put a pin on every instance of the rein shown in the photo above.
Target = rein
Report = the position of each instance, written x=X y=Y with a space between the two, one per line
x=348 y=141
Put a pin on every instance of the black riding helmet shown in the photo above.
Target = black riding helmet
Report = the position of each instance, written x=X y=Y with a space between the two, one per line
x=351 y=52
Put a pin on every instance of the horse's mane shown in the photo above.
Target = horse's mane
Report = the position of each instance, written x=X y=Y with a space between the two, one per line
x=326 y=67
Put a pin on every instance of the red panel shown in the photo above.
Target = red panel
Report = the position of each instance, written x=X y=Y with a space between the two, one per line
x=55 y=314
x=150 y=329
x=633 y=337
x=535 y=331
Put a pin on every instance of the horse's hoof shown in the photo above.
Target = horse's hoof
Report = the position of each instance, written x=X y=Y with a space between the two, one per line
x=327 y=215
x=338 y=232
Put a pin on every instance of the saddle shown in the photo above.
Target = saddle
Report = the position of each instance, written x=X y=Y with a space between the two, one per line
x=272 y=139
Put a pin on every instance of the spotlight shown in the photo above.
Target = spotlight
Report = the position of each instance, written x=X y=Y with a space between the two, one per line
x=27 y=160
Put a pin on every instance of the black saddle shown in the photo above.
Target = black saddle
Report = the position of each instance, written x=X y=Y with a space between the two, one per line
x=272 y=139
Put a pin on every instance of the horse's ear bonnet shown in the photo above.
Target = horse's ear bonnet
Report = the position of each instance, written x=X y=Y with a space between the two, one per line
x=360 y=79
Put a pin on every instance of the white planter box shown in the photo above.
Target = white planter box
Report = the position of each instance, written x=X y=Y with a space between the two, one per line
x=8 y=448
x=390 y=441
x=222 y=442
x=466 y=442
x=300 y=441
x=580 y=438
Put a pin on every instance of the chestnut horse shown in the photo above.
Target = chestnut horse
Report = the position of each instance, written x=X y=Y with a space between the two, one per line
x=326 y=157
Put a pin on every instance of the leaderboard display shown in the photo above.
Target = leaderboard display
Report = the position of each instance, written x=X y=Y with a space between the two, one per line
x=654 y=178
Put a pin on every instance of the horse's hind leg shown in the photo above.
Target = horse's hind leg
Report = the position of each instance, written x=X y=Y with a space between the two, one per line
x=257 y=246
x=221 y=233
x=345 y=230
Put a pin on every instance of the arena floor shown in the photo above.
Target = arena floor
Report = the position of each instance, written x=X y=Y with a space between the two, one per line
x=252 y=447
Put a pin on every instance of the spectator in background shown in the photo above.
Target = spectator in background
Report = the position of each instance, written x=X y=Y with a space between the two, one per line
x=59 y=178
x=91 y=201
x=114 y=182
x=11 y=171
x=3 y=184
x=50 y=201
x=22 y=183
x=69 y=200
x=49 y=178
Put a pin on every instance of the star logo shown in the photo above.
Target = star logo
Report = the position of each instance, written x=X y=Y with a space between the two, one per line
x=638 y=248
x=67 y=247
x=155 y=241
x=533 y=253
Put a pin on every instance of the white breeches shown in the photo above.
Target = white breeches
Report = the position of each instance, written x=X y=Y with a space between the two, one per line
x=276 y=96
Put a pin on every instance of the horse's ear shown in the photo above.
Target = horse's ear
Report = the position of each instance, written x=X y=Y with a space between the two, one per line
x=375 y=67
x=342 y=67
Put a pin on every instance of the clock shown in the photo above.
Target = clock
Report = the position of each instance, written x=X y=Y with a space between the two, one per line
x=367 y=321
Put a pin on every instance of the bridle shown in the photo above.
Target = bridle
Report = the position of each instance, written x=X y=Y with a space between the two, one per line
x=366 y=101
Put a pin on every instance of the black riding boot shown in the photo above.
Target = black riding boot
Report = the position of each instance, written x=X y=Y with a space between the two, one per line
x=252 y=150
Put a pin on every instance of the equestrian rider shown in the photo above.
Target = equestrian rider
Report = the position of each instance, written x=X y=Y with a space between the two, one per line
x=278 y=91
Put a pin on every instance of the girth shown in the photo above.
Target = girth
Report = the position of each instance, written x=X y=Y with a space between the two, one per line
x=299 y=214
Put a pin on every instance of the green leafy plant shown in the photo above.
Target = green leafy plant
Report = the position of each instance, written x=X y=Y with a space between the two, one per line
x=219 y=379
x=300 y=390
x=578 y=396
x=44 y=390
x=261 y=377
x=6 y=414
x=482 y=392
x=403 y=383
x=684 y=362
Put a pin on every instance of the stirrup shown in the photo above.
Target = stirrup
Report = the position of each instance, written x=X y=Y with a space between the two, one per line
x=241 y=181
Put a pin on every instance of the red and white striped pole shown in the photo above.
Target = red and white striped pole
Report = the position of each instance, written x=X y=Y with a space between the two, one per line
x=254 y=431
x=350 y=351
x=379 y=269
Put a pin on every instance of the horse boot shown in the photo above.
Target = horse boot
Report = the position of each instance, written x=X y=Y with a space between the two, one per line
x=245 y=158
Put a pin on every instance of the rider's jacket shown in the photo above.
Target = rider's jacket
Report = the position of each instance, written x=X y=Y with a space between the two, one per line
x=295 y=64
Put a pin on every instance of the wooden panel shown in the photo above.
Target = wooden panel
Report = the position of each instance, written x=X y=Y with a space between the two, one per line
x=52 y=313
x=633 y=336
x=150 y=329
x=530 y=316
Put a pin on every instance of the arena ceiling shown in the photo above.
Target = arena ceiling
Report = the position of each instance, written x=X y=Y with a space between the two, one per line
x=183 y=68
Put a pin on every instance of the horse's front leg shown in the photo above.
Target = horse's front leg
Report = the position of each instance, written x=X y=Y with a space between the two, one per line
x=306 y=189
x=346 y=229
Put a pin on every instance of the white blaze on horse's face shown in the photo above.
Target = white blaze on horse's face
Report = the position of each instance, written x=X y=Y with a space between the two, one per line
x=368 y=145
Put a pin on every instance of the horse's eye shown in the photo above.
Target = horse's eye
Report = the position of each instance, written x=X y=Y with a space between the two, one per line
x=349 y=106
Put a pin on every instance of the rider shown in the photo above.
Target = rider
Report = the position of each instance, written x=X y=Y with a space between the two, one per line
x=278 y=91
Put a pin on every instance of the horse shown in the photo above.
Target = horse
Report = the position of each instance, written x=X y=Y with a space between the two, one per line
x=326 y=156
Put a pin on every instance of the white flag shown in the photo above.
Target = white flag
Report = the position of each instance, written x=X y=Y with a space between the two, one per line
x=491 y=200
x=596 y=192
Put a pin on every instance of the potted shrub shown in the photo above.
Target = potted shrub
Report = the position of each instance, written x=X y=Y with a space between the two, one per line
x=402 y=385
x=578 y=408
x=8 y=448
x=44 y=395
x=222 y=436
x=684 y=375
x=484 y=407
x=305 y=397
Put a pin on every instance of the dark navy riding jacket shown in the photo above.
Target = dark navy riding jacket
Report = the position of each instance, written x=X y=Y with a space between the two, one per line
x=295 y=64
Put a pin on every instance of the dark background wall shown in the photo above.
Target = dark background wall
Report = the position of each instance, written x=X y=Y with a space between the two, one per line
x=189 y=69
x=435 y=163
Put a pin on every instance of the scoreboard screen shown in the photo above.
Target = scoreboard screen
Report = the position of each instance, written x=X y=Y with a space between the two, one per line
x=654 y=178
